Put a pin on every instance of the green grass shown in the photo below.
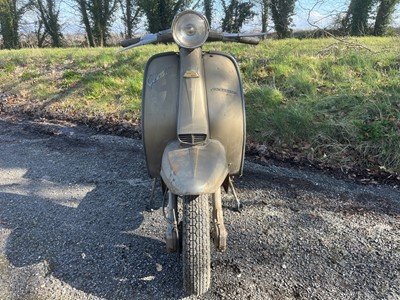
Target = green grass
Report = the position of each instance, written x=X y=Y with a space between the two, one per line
x=331 y=101
x=345 y=102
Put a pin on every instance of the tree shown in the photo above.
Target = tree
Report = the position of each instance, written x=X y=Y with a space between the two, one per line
x=356 y=19
x=236 y=13
x=86 y=22
x=40 y=32
x=208 y=8
x=160 y=13
x=97 y=16
x=49 y=18
x=264 y=15
x=281 y=13
x=385 y=11
x=101 y=12
x=131 y=14
x=11 y=12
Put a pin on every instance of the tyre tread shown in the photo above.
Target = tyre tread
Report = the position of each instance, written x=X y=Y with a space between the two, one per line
x=196 y=244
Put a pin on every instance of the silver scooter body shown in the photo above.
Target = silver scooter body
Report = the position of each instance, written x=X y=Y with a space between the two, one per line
x=193 y=120
x=194 y=133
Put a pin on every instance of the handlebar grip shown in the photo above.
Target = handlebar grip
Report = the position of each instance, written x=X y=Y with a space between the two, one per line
x=165 y=36
x=248 y=40
x=214 y=36
x=129 y=42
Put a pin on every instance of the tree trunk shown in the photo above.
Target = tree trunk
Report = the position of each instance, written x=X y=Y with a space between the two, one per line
x=281 y=12
x=128 y=22
x=235 y=14
x=264 y=16
x=39 y=35
x=130 y=16
x=9 y=21
x=357 y=17
x=49 y=18
x=208 y=6
x=86 y=22
x=385 y=11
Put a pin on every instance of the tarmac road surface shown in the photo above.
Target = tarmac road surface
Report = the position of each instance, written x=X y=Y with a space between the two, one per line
x=74 y=225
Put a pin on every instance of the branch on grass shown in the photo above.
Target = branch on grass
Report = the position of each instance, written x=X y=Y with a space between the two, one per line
x=328 y=33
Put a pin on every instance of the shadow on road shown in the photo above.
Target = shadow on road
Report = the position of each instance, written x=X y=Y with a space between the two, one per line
x=81 y=247
x=94 y=244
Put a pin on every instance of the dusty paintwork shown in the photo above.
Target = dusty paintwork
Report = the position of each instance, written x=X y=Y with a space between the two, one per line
x=226 y=107
x=200 y=169
x=211 y=104
x=160 y=104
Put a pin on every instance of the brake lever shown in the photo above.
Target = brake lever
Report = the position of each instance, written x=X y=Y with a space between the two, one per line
x=151 y=38
x=147 y=39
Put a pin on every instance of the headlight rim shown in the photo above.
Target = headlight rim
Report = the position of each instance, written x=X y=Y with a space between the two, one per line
x=174 y=31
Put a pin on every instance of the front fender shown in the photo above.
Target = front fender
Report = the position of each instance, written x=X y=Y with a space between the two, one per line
x=194 y=170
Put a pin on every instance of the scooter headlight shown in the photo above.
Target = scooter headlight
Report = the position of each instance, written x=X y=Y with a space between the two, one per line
x=190 y=29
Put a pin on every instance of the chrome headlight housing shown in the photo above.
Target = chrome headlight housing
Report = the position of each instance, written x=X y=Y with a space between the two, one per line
x=190 y=29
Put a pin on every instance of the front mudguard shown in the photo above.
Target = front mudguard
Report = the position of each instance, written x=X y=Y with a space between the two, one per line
x=194 y=170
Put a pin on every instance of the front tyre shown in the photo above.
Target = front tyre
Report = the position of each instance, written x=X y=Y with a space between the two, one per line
x=196 y=244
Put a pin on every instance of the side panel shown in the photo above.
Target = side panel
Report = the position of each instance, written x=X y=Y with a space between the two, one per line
x=226 y=107
x=159 y=107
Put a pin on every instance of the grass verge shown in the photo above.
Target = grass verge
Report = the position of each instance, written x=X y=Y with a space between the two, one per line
x=328 y=102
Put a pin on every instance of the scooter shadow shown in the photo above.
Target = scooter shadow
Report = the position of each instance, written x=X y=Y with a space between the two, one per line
x=94 y=247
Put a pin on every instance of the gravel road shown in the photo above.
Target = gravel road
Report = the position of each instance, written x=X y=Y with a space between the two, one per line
x=74 y=225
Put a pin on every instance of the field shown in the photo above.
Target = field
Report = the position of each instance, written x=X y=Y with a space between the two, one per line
x=327 y=102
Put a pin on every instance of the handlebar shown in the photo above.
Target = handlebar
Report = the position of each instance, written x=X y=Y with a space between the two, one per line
x=249 y=40
x=129 y=42
x=164 y=36
x=243 y=40
x=214 y=36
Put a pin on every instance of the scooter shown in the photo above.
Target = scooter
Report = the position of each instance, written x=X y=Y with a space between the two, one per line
x=193 y=129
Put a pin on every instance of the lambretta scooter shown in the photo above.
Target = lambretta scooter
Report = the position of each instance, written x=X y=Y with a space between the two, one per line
x=193 y=128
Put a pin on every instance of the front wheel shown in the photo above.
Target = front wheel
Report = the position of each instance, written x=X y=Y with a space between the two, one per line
x=196 y=244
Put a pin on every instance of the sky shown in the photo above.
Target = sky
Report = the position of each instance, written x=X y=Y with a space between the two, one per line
x=320 y=13
x=316 y=11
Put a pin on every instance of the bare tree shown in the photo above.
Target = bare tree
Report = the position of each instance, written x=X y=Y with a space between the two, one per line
x=264 y=15
x=131 y=14
x=40 y=32
x=96 y=15
x=329 y=33
x=49 y=18
x=83 y=9
x=102 y=12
